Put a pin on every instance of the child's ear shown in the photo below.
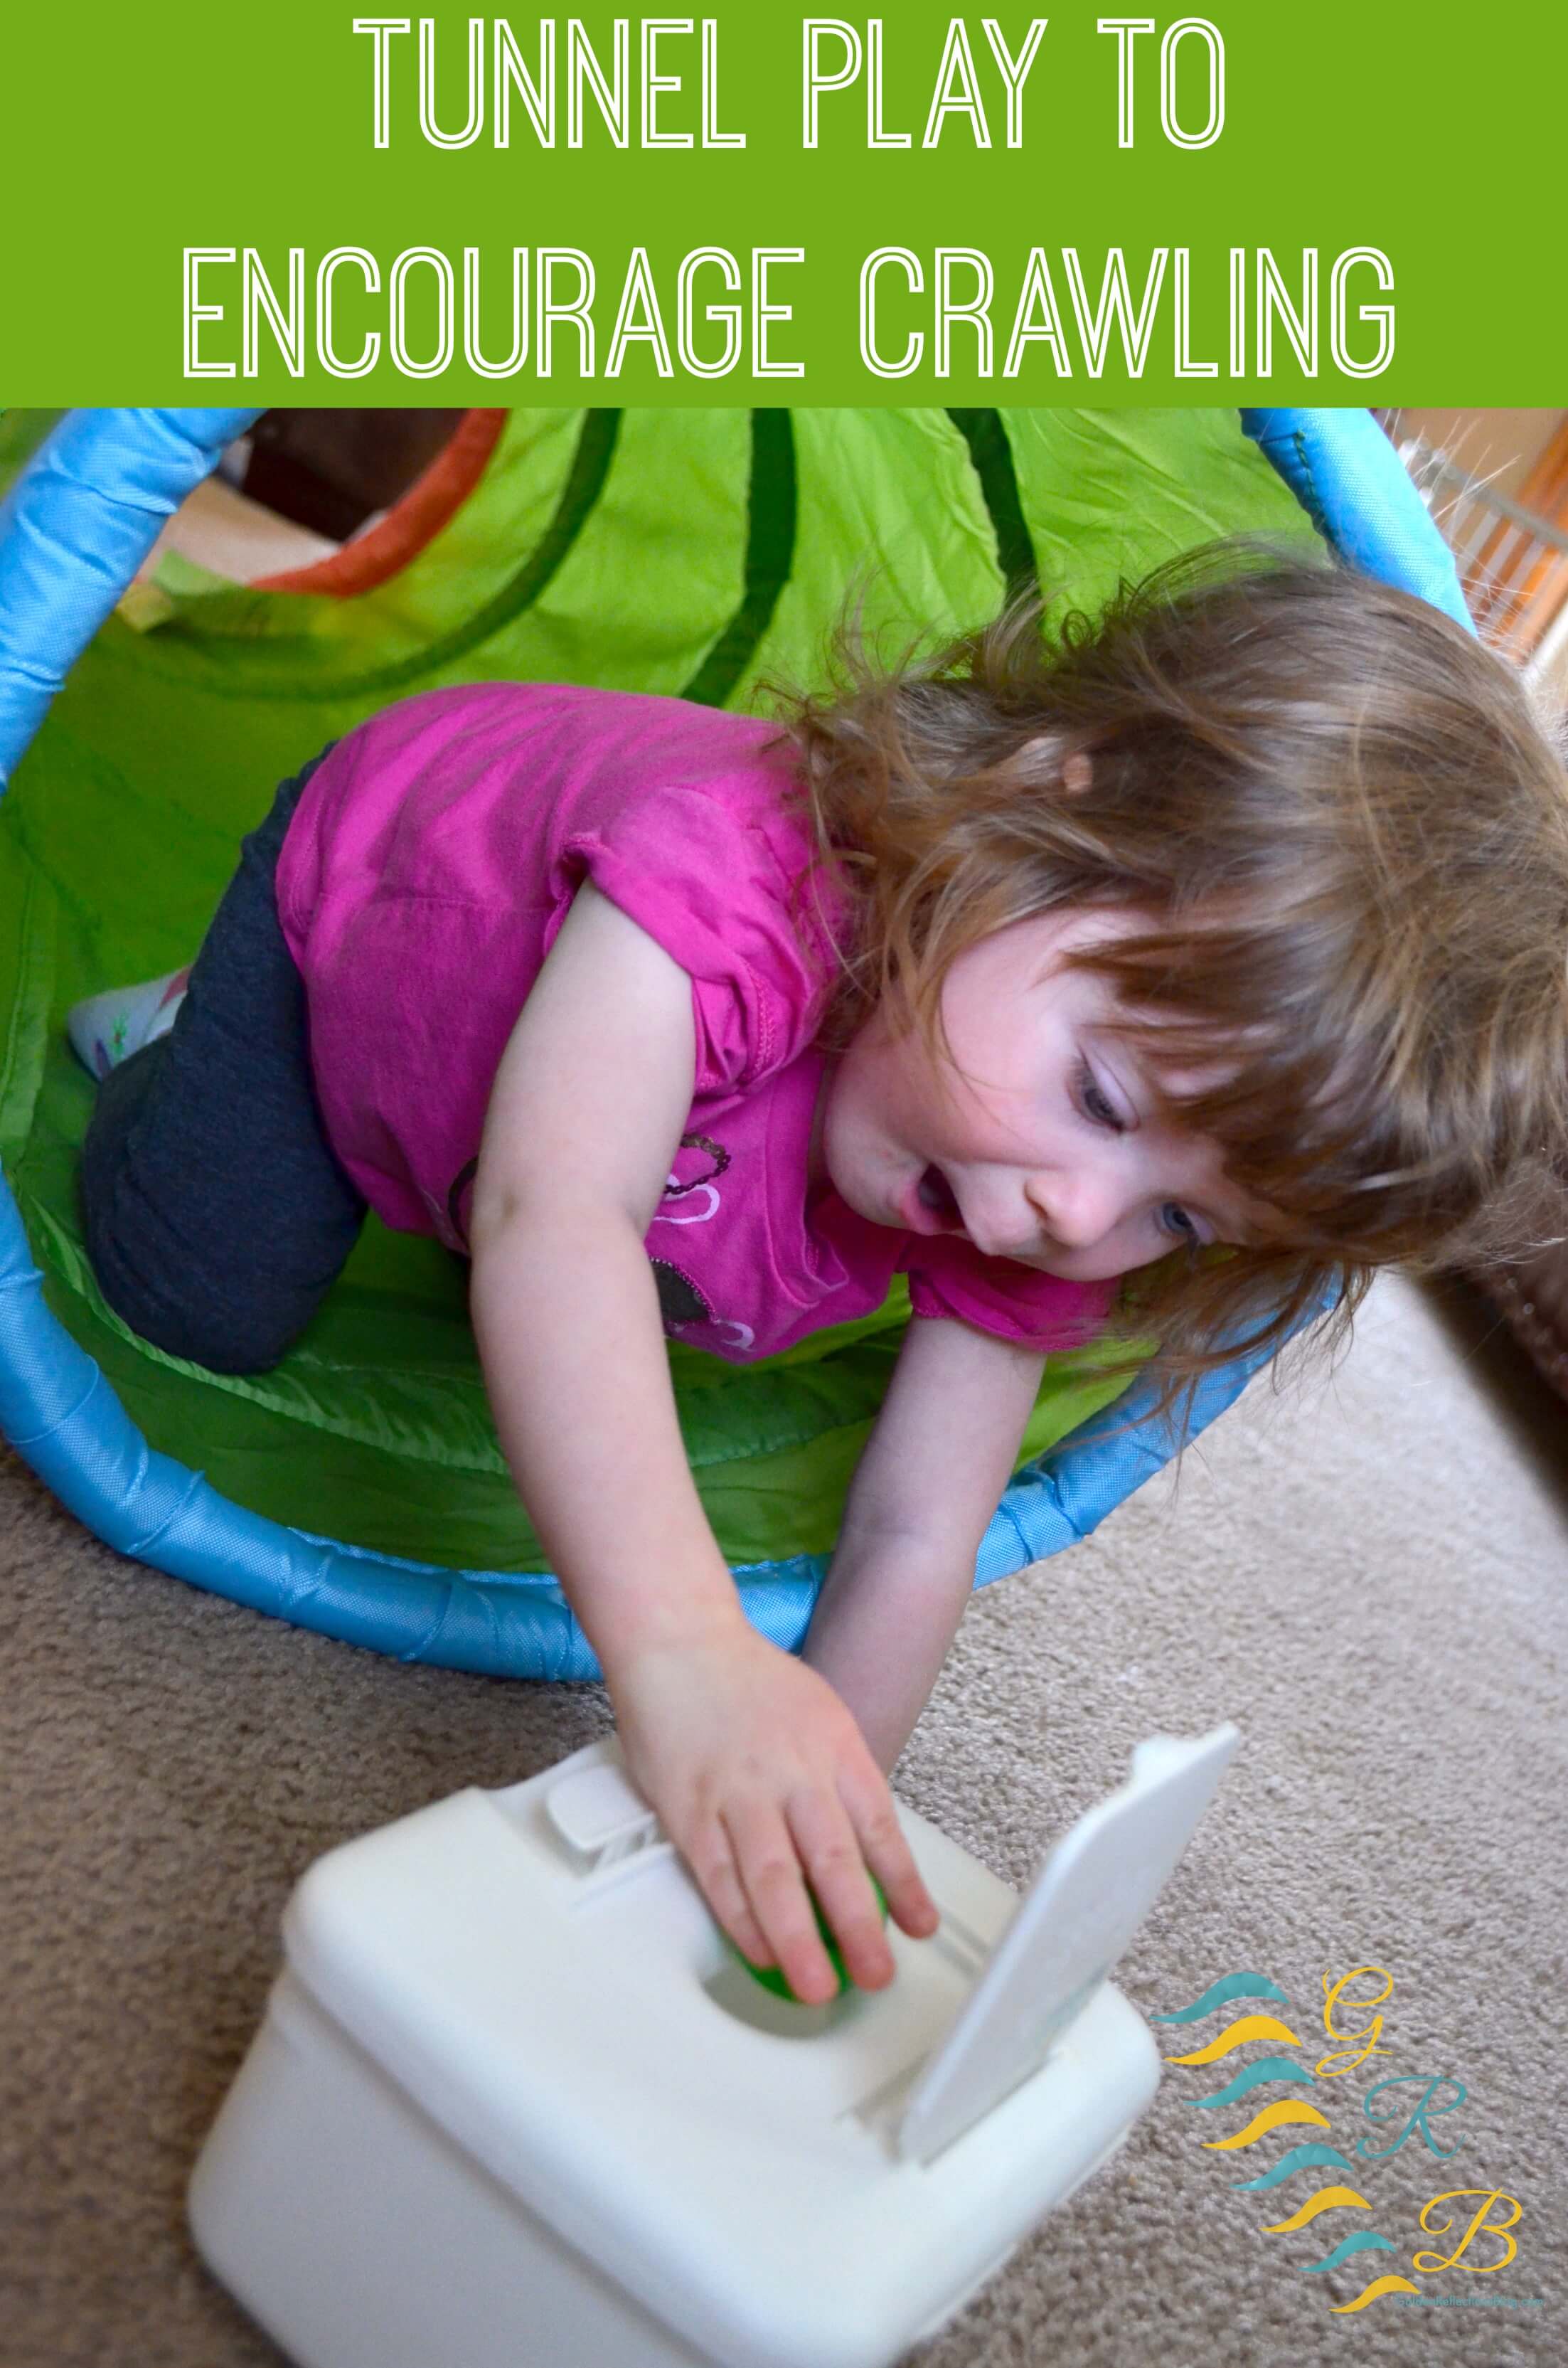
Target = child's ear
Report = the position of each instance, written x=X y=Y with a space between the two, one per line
x=1041 y=757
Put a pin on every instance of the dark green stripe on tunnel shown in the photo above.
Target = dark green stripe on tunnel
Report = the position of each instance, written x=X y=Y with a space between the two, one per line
x=989 y=449
x=585 y=483
x=771 y=510
x=251 y=672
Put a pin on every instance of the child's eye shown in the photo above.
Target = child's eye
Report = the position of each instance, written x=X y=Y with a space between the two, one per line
x=1095 y=1103
x=1174 y=1220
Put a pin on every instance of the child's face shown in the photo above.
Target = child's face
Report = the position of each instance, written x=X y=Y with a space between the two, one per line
x=1043 y=1143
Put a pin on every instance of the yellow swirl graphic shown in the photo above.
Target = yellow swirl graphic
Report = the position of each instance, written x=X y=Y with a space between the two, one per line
x=1237 y=2035
x=1273 y=2117
x=1327 y=2198
x=1370 y=2293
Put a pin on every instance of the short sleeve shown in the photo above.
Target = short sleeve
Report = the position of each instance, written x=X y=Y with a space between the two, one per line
x=727 y=896
x=950 y=1277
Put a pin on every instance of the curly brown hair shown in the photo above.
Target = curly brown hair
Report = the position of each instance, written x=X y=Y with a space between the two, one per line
x=1348 y=829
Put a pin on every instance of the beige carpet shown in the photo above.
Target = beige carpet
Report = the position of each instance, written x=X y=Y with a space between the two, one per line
x=1370 y=1576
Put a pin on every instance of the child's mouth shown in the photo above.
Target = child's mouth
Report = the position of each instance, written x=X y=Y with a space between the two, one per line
x=935 y=1194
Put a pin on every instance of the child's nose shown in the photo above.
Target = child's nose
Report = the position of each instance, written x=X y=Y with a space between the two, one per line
x=1077 y=1208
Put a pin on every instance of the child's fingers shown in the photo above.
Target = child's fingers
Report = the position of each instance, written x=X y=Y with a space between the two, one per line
x=774 y=1884
x=837 y=1871
x=881 y=1841
x=721 y=1884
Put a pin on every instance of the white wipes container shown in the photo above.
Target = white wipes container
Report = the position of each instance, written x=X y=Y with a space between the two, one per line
x=515 y=2101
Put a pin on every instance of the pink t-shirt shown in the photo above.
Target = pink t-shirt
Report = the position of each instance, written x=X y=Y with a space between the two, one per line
x=426 y=869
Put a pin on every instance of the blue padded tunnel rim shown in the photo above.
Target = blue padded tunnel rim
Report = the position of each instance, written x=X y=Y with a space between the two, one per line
x=73 y=531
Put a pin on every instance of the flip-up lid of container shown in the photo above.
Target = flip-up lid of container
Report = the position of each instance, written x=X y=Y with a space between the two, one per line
x=1081 y=1912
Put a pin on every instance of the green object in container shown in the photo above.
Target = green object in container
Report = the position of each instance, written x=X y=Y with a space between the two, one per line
x=772 y=1978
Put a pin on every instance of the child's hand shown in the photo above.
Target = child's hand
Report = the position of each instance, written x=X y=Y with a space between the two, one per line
x=764 y=1783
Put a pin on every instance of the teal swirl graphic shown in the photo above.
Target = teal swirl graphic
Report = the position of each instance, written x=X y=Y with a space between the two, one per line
x=1271 y=2067
x=1221 y=1993
x=1363 y=2241
x=1301 y=2158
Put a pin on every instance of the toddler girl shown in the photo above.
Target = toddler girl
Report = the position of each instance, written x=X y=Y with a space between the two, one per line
x=1219 y=943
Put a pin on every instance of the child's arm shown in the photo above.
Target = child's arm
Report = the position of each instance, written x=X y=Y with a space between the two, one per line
x=757 y=1770
x=932 y=1475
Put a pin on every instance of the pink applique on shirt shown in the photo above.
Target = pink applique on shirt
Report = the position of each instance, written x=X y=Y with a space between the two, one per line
x=426 y=871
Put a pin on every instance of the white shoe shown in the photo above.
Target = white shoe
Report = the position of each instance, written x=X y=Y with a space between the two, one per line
x=107 y=1029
